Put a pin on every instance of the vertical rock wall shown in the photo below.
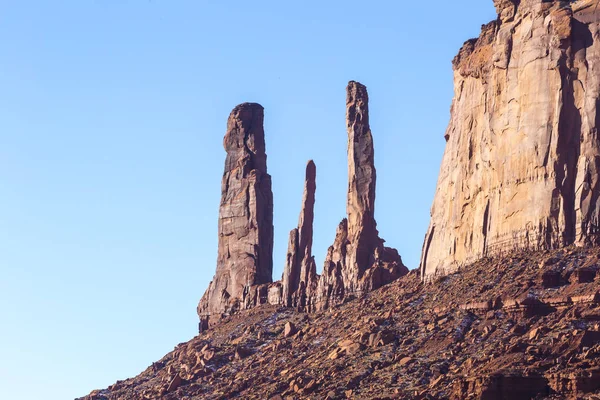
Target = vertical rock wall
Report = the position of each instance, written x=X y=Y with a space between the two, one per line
x=520 y=169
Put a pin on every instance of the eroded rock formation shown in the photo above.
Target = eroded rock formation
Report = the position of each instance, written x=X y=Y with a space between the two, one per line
x=521 y=164
x=300 y=273
x=520 y=171
x=358 y=261
x=245 y=252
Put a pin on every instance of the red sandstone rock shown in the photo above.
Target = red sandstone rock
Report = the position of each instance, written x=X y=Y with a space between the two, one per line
x=521 y=167
x=358 y=262
x=289 y=330
x=422 y=350
x=467 y=335
x=244 y=261
x=300 y=273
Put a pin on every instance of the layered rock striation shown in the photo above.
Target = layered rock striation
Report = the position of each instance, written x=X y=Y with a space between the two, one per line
x=520 y=168
x=245 y=252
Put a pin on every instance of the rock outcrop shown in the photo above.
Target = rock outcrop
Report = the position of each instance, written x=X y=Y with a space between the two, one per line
x=358 y=261
x=522 y=160
x=245 y=252
x=300 y=274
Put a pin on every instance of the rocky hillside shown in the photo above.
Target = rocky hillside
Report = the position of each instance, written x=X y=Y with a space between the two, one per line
x=506 y=304
x=521 y=327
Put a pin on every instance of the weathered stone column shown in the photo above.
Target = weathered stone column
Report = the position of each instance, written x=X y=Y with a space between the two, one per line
x=245 y=252
x=300 y=271
x=358 y=261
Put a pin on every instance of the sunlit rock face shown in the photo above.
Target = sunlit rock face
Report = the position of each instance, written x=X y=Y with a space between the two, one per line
x=520 y=168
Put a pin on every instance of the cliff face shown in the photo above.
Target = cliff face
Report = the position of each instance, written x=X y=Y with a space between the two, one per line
x=521 y=164
x=244 y=260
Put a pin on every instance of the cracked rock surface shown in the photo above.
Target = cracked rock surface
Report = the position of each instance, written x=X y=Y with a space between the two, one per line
x=522 y=160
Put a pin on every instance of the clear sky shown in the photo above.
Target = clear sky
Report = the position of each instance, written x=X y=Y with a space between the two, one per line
x=112 y=115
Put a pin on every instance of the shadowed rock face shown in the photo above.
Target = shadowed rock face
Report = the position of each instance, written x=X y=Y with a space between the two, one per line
x=358 y=262
x=521 y=164
x=300 y=273
x=245 y=250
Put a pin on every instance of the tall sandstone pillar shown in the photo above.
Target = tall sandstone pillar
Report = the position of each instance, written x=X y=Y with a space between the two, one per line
x=245 y=251
x=522 y=159
x=360 y=206
x=358 y=262
x=300 y=273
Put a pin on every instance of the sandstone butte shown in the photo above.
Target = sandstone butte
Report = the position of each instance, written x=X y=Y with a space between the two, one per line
x=506 y=302
x=357 y=263
x=522 y=159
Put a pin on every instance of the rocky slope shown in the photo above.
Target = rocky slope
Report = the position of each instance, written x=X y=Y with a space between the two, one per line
x=521 y=327
x=506 y=304
x=522 y=160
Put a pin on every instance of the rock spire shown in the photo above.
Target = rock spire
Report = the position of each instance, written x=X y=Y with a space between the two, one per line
x=300 y=273
x=355 y=264
x=244 y=259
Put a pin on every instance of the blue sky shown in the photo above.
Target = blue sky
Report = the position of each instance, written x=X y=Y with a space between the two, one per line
x=112 y=116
